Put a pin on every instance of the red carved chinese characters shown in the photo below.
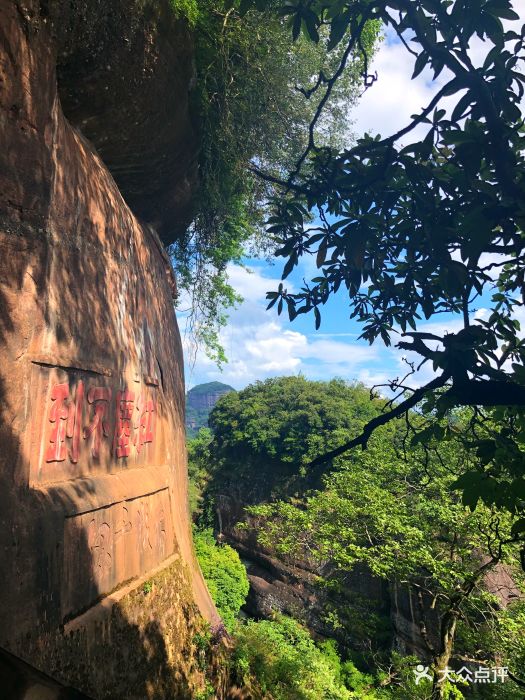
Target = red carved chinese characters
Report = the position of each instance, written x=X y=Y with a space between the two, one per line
x=99 y=398
x=144 y=428
x=66 y=418
x=131 y=424
x=123 y=423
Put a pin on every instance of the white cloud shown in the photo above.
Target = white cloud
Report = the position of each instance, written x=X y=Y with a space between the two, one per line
x=386 y=107
x=259 y=345
x=251 y=284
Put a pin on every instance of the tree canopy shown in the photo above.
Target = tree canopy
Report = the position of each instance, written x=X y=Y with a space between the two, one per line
x=278 y=659
x=263 y=437
x=390 y=510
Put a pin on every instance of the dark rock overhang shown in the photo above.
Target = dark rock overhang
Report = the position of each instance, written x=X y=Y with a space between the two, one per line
x=125 y=71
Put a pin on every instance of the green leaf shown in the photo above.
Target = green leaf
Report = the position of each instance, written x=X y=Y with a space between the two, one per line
x=338 y=28
x=244 y=6
x=310 y=22
x=421 y=62
x=317 y=315
x=290 y=263
x=503 y=12
x=461 y=107
x=470 y=500
x=296 y=28
x=274 y=297
x=321 y=254
x=518 y=527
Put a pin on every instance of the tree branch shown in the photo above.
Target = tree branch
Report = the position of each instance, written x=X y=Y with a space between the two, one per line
x=399 y=410
x=515 y=678
x=465 y=393
x=277 y=181
x=422 y=624
x=330 y=83
x=487 y=393
x=407 y=129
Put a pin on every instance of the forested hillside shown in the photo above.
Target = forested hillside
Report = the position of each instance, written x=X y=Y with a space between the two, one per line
x=377 y=556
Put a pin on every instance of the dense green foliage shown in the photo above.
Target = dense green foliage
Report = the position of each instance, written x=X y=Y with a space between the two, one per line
x=278 y=659
x=224 y=573
x=265 y=435
x=273 y=658
x=186 y=8
x=407 y=527
x=390 y=509
x=431 y=225
x=251 y=106
x=199 y=461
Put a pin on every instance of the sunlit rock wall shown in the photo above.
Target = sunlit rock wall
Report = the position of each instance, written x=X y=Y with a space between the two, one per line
x=92 y=449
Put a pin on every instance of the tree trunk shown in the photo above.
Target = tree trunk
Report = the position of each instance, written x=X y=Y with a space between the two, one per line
x=441 y=660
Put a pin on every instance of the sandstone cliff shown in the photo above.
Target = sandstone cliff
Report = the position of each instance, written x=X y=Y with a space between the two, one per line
x=99 y=583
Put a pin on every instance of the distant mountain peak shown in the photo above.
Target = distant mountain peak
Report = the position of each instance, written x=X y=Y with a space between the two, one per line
x=199 y=402
x=210 y=387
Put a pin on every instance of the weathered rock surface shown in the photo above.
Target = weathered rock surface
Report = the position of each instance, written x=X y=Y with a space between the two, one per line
x=207 y=395
x=291 y=587
x=92 y=460
x=20 y=681
x=125 y=71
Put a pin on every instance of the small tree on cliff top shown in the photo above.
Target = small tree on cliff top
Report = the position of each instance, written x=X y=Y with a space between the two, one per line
x=264 y=436
x=429 y=225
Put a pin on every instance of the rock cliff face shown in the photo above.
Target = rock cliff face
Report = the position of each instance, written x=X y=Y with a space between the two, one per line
x=291 y=587
x=125 y=70
x=92 y=460
x=207 y=395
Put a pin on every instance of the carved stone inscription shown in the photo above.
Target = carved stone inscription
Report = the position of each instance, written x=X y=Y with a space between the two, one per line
x=65 y=418
x=108 y=546
x=85 y=425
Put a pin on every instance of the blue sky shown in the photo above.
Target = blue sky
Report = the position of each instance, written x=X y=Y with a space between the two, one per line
x=261 y=344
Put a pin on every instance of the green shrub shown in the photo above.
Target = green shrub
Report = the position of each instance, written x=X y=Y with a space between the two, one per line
x=278 y=659
x=186 y=8
x=224 y=573
x=199 y=459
